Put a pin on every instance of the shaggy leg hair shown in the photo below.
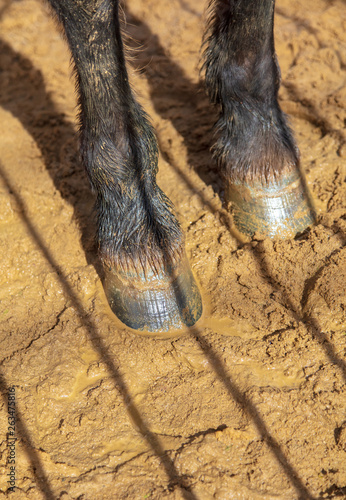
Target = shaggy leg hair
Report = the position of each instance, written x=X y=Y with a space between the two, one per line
x=243 y=77
x=136 y=224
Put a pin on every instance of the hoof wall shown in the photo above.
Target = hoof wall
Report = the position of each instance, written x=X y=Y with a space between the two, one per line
x=155 y=302
x=279 y=207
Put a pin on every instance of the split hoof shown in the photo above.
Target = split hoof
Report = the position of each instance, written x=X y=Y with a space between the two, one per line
x=154 y=302
x=279 y=207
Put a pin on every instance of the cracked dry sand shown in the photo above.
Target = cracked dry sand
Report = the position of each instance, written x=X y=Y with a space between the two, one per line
x=250 y=403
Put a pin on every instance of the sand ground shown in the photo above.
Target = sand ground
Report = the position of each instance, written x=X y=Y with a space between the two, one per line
x=250 y=403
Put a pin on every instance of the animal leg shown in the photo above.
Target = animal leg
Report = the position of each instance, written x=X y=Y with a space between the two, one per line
x=255 y=151
x=148 y=281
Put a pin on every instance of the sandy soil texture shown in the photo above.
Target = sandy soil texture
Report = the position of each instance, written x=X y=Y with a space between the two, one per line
x=250 y=403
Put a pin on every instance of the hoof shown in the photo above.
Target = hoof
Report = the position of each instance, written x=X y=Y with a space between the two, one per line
x=154 y=302
x=278 y=207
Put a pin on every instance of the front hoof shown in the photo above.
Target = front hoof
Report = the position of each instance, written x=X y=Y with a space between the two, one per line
x=154 y=302
x=276 y=207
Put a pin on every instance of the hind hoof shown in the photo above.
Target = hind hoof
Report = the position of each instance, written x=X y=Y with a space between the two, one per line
x=278 y=207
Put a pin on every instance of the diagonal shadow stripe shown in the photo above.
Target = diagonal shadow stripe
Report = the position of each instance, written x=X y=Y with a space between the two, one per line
x=24 y=95
x=175 y=480
x=32 y=455
x=245 y=402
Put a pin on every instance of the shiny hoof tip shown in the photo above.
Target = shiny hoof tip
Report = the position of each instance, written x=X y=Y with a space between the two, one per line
x=155 y=302
x=279 y=207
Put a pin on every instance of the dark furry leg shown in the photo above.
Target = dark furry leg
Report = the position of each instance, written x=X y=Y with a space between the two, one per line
x=255 y=151
x=148 y=281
